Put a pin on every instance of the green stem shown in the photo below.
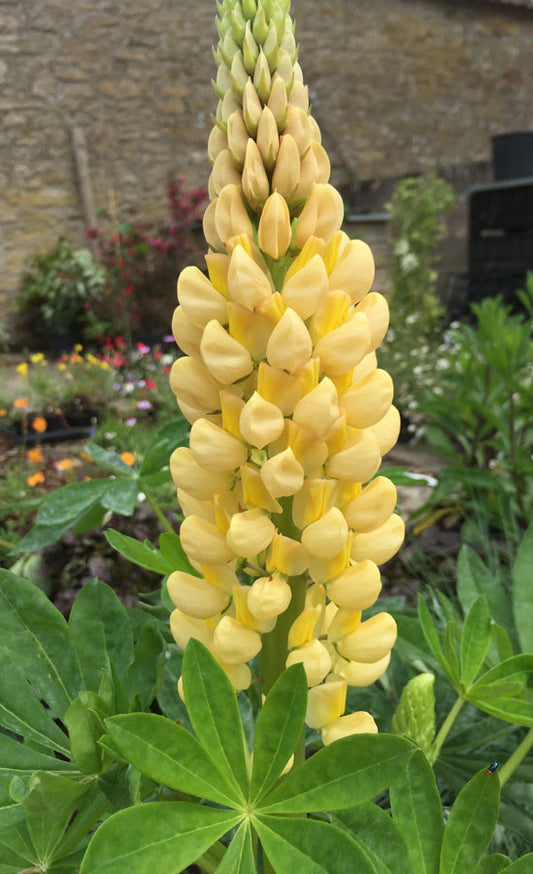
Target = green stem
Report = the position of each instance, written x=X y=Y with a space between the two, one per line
x=444 y=730
x=6 y=543
x=274 y=651
x=519 y=754
x=157 y=510
x=211 y=859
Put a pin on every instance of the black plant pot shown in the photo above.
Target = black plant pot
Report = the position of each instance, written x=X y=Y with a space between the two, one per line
x=70 y=425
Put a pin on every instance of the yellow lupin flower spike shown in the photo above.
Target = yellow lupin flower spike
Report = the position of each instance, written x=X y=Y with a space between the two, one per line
x=290 y=414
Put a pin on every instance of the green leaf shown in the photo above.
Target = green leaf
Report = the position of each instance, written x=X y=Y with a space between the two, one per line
x=108 y=459
x=509 y=709
x=22 y=712
x=214 y=714
x=16 y=854
x=145 y=673
x=20 y=760
x=521 y=866
x=84 y=728
x=170 y=755
x=156 y=457
x=143 y=554
x=471 y=825
x=40 y=536
x=101 y=633
x=122 y=496
x=278 y=729
x=347 y=772
x=416 y=810
x=493 y=864
x=173 y=552
x=475 y=640
x=65 y=505
x=311 y=846
x=523 y=591
x=54 y=794
x=502 y=641
x=94 y=518
x=156 y=837
x=432 y=636
x=378 y=834
x=34 y=634
x=475 y=578
x=516 y=669
x=239 y=858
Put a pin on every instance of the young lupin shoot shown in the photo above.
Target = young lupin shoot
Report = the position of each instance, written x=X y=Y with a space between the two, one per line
x=285 y=520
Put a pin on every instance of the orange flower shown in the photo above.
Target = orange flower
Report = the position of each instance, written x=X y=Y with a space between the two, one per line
x=3 y=412
x=35 y=479
x=128 y=457
x=20 y=403
x=34 y=456
x=39 y=424
x=64 y=464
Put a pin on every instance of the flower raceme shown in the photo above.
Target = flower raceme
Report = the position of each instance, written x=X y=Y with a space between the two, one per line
x=290 y=413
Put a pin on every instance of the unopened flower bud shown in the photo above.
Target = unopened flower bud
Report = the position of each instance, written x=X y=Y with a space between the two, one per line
x=268 y=138
x=286 y=173
x=262 y=79
x=255 y=183
x=274 y=234
x=251 y=108
x=247 y=283
x=237 y=138
x=231 y=217
x=277 y=102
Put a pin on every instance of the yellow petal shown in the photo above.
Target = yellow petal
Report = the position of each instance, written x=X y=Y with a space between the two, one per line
x=268 y=138
x=269 y=596
x=353 y=723
x=199 y=300
x=203 y=542
x=278 y=387
x=289 y=345
x=343 y=348
x=380 y=544
x=315 y=167
x=282 y=474
x=325 y=703
x=214 y=449
x=371 y=641
x=287 y=170
x=360 y=674
x=224 y=171
x=358 y=461
x=305 y=290
x=251 y=328
x=183 y=627
x=255 y=184
x=248 y=284
x=313 y=500
x=367 y=402
x=194 y=596
x=231 y=217
x=277 y=102
x=376 y=309
x=223 y=356
x=387 y=430
x=260 y=421
x=317 y=410
x=326 y=537
x=222 y=576
x=237 y=137
x=342 y=623
x=191 y=382
x=331 y=314
x=310 y=452
x=287 y=556
x=231 y=405
x=216 y=143
x=254 y=491
x=323 y=569
x=195 y=480
x=191 y=506
x=210 y=228
x=354 y=270
x=239 y=675
x=250 y=532
x=372 y=506
x=357 y=587
x=251 y=108
x=186 y=334
x=315 y=658
x=274 y=233
x=298 y=127
x=233 y=643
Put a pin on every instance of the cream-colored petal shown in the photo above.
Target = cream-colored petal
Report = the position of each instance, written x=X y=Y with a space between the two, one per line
x=183 y=627
x=367 y=402
x=203 y=542
x=371 y=641
x=376 y=309
x=305 y=290
x=343 y=348
x=248 y=285
x=315 y=658
x=274 y=233
x=225 y=358
x=289 y=345
x=198 y=298
x=325 y=703
x=250 y=532
x=327 y=535
x=372 y=506
x=282 y=474
x=387 y=430
x=214 y=449
x=318 y=409
x=195 y=480
x=287 y=556
x=353 y=723
x=260 y=421
x=361 y=674
x=357 y=587
x=380 y=544
x=354 y=270
x=358 y=461
x=233 y=643
x=192 y=383
x=269 y=596
x=194 y=596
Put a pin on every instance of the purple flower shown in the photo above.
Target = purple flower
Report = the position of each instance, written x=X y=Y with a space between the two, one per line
x=168 y=338
x=131 y=421
x=144 y=405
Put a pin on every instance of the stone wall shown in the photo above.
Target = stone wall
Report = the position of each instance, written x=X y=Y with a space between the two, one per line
x=398 y=86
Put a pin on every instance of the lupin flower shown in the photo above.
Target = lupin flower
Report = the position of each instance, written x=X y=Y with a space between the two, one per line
x=285 y=521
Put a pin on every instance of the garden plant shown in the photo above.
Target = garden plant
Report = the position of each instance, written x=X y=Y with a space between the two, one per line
x=231 y=724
